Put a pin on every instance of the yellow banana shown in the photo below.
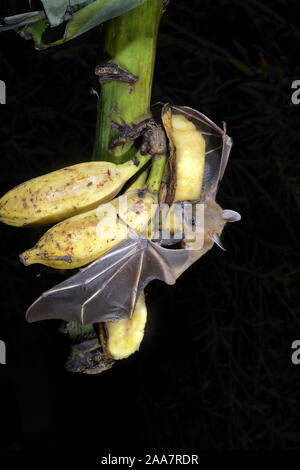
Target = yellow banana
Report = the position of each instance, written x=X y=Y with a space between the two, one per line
x=188 y=155
x=83 y=238
x=122 y=338
x=66 y=192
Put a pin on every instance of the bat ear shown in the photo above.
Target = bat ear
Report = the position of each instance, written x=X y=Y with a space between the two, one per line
x=218 y=242
x=231 y=216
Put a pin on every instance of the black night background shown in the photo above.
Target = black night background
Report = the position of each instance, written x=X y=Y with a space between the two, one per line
x=214 y=371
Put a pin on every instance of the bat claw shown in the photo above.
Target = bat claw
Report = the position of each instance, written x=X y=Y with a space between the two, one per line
x=129 y=133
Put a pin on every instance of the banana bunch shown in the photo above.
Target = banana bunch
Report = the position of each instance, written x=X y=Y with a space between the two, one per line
x=80 y=239
x=91 y=220
x=77 y=196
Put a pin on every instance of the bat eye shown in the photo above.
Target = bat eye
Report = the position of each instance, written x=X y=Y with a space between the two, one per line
x=217 y=240
x=231 y=216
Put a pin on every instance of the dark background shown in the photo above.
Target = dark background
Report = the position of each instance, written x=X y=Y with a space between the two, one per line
x=214 y=370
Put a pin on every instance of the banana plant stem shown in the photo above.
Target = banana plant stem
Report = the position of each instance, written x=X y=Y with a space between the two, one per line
x=130 y=44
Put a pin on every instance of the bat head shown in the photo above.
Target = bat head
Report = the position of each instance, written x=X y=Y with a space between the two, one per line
x=206 y=231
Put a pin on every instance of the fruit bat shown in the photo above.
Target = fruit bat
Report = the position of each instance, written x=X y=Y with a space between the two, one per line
x=108 y=288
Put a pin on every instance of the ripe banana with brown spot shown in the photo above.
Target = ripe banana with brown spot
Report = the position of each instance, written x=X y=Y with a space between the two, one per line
x=63 y=193
x=83 y=238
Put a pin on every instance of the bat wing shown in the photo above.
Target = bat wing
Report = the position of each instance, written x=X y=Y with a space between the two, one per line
x=107 y=290
x=168 y=263
x=117 y=297
x=69 y=299
x=218 y=147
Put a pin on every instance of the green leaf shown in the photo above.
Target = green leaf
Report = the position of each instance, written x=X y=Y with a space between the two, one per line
x=88 y=17
x=97 y=13
x=59 y=11
x=16 y=21
x=23 y=18
x=55 y=10
x=36 y=32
